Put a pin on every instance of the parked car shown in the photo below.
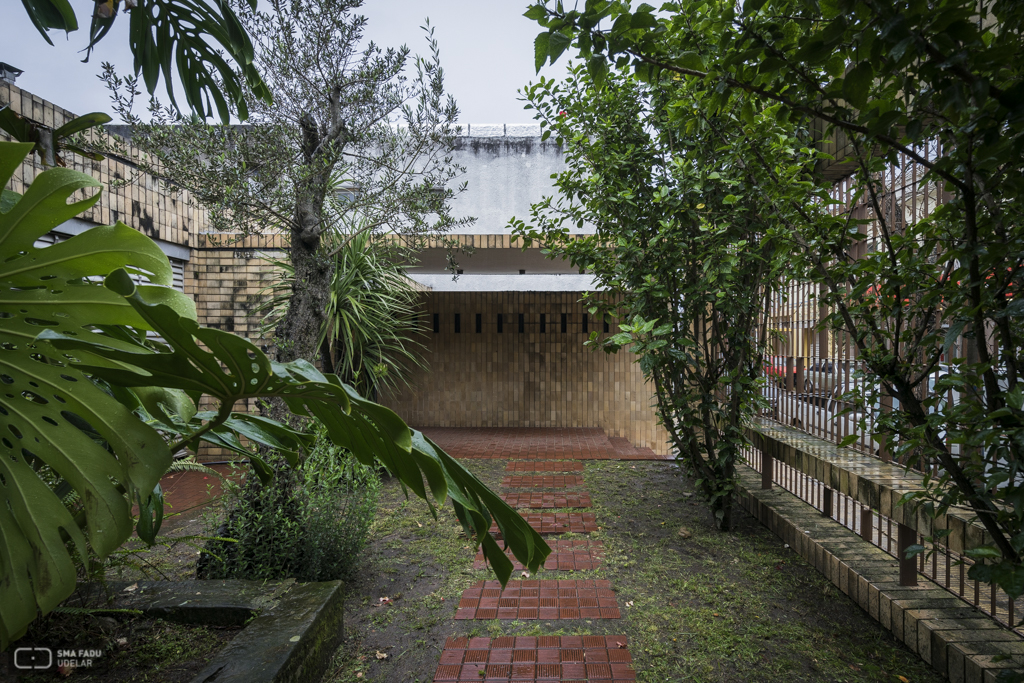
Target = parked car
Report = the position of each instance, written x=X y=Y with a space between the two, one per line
x=824 y=376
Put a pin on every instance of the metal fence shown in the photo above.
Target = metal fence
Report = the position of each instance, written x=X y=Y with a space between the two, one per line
x=938 y=563
x=812 y=367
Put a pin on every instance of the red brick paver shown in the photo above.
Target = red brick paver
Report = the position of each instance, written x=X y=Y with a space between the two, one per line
x=523 y=466
x=577 y=554
x=499 y=443
x=550 y=481
x=547 y=658
x=558 y=522
x=526 y=499
x=549 y=599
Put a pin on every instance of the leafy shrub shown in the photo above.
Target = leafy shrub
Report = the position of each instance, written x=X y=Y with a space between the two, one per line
x=309 y=522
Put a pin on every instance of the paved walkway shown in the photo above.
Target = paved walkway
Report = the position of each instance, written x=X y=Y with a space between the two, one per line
x=501 y=443
x=548 y=460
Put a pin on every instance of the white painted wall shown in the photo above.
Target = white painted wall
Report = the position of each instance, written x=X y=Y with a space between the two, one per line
x=508 y=168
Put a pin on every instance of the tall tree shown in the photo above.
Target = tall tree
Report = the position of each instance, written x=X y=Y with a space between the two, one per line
x=932 y=89
x=350 y=143
x=692 y=251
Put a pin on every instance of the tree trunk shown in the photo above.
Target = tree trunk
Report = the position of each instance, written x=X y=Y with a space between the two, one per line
x=298 y=335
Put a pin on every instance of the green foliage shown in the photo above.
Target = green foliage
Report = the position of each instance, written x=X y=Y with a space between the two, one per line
x=930 y=92
x=83 y=387
x=163 y=32
x=62 y=433
x=310 y=524
x=685 y=239
x=376 y=121
x=50 y=144
x=371 y=323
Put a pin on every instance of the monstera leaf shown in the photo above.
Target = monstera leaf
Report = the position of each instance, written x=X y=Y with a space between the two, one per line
x=58 y=431
x=86 y=406
x=230 y=369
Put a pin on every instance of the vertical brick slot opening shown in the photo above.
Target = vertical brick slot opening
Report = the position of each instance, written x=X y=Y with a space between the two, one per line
x=500 y=326
x=480 y=323
x=543 y=322
x=437 y=323
x=565 y=323
x=606 y=326
x=586 y=324
x=458 y=324
x=522 y=323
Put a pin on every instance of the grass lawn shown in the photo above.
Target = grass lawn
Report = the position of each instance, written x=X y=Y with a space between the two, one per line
x=697 y=605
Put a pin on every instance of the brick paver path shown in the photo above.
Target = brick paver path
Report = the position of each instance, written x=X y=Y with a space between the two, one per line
x=547 y=658
x=527 y=499
x=544 y=466
x=539 y=600
x=577 y=554
x=551 y=481
x=557 y=523
x=536 y=462
x=501 y=443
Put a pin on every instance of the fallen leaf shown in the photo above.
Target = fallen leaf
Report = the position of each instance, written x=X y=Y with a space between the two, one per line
x=684 y=532
x=904 y=679
x=359 y=674
x=526 y=575
x=122 y=642
x=382 y=655
x=419 y=525
x=619 y=644
x=629 y=604
x=385 y=601
x=132 y=588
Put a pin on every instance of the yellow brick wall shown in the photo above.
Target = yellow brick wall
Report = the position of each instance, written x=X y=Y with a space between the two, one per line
x=142 y=204
x=529 y=379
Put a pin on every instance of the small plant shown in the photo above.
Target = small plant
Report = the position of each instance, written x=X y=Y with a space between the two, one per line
x=310 y=522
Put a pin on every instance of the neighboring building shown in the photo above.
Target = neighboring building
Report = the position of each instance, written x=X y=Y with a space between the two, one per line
x=532 y=372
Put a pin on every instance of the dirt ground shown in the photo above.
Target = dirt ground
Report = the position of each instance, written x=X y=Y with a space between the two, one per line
x=717 y=607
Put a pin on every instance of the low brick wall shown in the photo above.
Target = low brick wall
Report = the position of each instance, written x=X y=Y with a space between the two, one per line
x=957 y=640
x=879 y=485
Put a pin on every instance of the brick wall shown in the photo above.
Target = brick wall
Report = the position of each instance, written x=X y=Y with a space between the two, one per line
x=142 y=204
x=528 y=379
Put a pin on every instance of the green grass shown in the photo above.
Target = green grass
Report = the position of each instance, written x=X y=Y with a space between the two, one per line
x=711 y=608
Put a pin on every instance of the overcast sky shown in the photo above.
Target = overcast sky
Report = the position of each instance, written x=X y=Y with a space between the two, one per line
x=486 y=51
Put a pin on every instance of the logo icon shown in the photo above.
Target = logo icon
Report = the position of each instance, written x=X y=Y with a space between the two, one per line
x=33 y=658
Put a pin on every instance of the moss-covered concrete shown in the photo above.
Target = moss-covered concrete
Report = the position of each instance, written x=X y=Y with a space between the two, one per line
x=291 y=642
